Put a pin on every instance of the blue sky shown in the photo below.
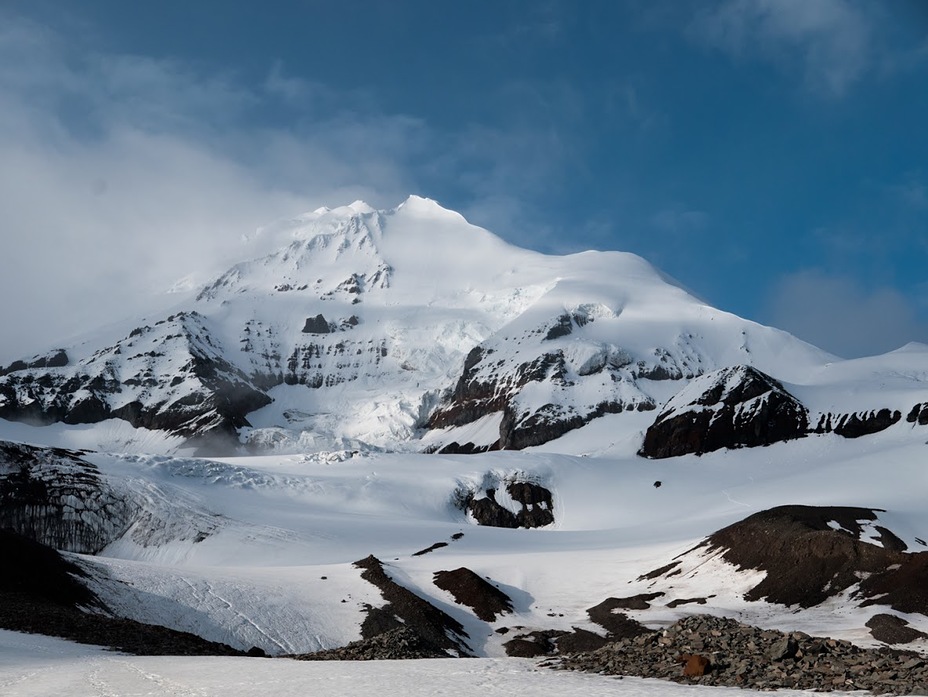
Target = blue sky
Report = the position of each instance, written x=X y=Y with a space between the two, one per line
x=772 y=155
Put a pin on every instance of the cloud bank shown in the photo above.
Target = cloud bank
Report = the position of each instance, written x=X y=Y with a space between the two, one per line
x=839 y=315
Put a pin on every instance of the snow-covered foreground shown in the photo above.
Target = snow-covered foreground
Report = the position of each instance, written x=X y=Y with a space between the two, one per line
x=36 y=665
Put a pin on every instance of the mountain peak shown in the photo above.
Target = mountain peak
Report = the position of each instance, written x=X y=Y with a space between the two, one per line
x=420 y=206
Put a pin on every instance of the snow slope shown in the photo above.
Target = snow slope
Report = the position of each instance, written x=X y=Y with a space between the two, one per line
x=258 y=550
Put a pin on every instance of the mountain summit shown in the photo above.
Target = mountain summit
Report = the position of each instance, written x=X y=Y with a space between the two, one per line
x=403 y=329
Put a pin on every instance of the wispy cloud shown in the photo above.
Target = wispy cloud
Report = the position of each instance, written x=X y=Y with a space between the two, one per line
x=122 y=173
x=829 y=42
x=841 y=316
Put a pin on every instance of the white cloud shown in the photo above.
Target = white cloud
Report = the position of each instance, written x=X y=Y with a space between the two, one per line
x=829 y=42
x=840 y=316
x=121 y=174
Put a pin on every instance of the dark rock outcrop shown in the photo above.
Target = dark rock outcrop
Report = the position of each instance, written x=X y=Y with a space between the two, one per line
x=172 y=377
x=618 y=625
x=730 y=408
x=858 y=424
x=438 y=633
x=56 y=358
x=59 y=499
x=891 y=629
x=811 y=553
x=486 y=600
x=316 y=325
x=918 y=414
x=536 y=506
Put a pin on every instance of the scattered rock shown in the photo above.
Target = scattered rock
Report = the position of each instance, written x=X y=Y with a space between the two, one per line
x=395 y=644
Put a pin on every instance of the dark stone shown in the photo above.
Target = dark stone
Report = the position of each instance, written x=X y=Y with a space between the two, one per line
x=57 y=498
x=891 y=629
x=486 y=600
x=316 y=325
x=525 y=648
x=737 y=407
x=399 y=643
x=686 y=601
x=430 y=548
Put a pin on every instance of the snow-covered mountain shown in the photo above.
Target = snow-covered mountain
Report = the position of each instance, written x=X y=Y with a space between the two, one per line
x=359 y=371
x=407 y=329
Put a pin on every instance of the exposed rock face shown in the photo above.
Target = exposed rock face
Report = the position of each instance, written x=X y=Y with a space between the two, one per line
x=531 y=377
x=812 y=553
x=617 y=624
x=738 y=655
x=918 y=414
x=530 y=505
x=60 y=500
x=486 y=600
x=729 y=408
x=172 y=376
x=438 y=634
x=57 y=358
x=859 y=423
x=316 y=325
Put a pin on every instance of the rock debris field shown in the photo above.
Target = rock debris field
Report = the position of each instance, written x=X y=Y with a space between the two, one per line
x=738 y=655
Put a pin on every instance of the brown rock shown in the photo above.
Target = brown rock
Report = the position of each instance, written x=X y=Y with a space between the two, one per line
x=695 y=666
